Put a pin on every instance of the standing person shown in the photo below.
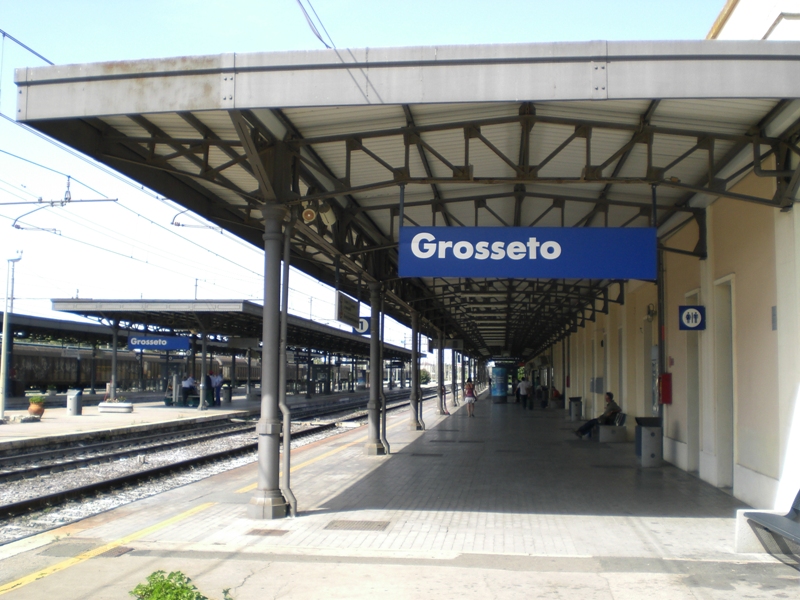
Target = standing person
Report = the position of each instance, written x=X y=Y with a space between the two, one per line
x=216 y=382
x=469 y=397
x=612 y=408
x=524 y=387
x=209 y=391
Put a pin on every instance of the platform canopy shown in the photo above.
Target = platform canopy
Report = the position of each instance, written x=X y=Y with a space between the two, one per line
x=597 y=134
x=222 y=319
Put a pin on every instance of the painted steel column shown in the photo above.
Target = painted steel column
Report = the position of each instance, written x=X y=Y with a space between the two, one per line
x=203 y=366
x=114 y=344
x=414 y=392
x=268 y=501
x=463 y=370
x=374 y=446
x=94 y=370
x=8 y=334
x=440 y=375
x=249 y=389
x=455 y=376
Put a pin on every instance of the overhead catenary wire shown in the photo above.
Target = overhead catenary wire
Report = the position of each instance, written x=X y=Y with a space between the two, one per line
x=135 y=185
x=171 y=231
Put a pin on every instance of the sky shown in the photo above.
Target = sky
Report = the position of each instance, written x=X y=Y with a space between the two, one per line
x=126 y=246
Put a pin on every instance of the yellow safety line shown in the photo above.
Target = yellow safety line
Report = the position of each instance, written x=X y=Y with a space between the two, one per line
x=84 y=556
x=252 y=486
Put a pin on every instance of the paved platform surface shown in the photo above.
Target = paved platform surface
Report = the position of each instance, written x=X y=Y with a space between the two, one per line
x=508 y=504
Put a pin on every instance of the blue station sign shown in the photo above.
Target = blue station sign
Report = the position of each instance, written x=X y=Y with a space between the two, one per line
x=160 y=342
x=528 y=252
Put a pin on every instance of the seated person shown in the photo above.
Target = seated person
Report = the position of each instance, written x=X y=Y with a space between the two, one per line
x=612 y=408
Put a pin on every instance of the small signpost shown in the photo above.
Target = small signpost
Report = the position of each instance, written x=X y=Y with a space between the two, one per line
x=364 y=326
x=347 y=310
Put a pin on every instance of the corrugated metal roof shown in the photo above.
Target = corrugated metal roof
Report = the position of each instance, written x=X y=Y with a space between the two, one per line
x=203 y=163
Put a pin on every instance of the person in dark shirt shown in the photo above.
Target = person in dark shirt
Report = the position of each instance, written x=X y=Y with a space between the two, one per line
x=612 y=408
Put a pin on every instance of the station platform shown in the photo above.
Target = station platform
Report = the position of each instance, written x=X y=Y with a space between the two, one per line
x=58 y=426
x=508 y=504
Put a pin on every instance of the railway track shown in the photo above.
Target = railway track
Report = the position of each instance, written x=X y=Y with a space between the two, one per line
x=20 y=467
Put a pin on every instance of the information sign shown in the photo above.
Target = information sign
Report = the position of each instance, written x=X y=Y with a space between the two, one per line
x=528 y=252
x=161 y=342
x=692 y=318
x=364 y=327
x=346 y=310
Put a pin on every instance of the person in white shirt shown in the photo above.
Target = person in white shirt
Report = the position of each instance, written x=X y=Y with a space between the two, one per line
x=524 y=387
x=187 y=386
x=216 y=383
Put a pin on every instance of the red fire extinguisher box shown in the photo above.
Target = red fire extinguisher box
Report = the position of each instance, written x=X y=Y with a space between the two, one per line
x=665 y=388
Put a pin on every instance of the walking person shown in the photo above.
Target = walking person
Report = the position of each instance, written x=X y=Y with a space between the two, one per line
x=469 y=397
x=523 y=388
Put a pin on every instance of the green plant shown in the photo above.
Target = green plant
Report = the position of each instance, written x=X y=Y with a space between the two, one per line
x=175 y=586
x=36 y=400
x=424 y=376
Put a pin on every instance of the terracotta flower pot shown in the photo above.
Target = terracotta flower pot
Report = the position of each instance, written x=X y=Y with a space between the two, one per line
x=37 y=410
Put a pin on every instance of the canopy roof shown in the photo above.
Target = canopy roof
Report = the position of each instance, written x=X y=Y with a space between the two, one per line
x=220 y=318
x=568 y=135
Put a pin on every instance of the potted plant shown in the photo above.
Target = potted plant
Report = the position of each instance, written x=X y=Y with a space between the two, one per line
x=36 y=406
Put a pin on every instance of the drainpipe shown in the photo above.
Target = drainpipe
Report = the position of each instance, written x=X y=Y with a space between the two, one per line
x=384 y=441
x=287 y=415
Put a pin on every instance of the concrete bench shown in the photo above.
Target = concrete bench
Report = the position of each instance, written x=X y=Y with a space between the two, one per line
x=786 y=526
x=614 y=432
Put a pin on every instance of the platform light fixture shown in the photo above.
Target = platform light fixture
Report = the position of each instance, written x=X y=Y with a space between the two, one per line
x=651 y=313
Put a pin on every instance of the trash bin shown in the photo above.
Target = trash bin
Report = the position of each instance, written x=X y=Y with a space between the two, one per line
x=226 y=394
x=649 y=443
x=575 y=408
x=74 y=402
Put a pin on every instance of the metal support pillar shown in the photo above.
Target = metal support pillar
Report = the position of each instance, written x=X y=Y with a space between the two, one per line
x=455 y=376
x=268 y=501
x=203 y=372
x=282 y=366
x=463 y=370
x=234 y=382
x=440 y=375
x=661 y=309
x=249 y=387
x=8 y=334
x=374 y=446
x=114 y=344
x=414 y=396
x=93 y=382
